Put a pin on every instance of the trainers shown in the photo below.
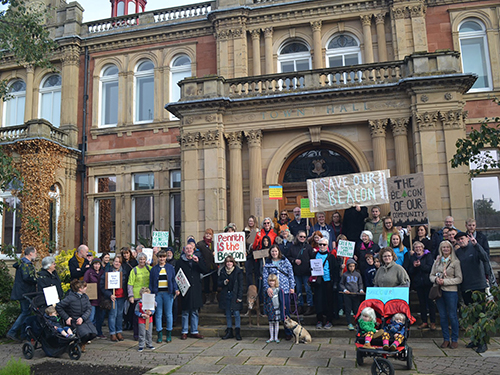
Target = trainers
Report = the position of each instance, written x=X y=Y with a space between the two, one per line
x=269 y=341
x=277 y=341
x=319 y=325
x=393 y=348
x=328 y=325
x=386 y=347
x=368 y=346
x=341 y=312
x=151 y=347
x=140 y=349
x=350 y=327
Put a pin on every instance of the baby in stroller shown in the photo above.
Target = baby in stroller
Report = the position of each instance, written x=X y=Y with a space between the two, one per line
x=396 y=329
x=367 y=325
x=51 y=315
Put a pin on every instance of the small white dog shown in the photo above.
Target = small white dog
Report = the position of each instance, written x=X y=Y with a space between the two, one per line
x=299 y=332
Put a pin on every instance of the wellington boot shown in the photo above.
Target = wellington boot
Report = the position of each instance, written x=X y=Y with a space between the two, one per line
x=160 y=337
x=237 y=334
x=229 y=334
x=169 y=336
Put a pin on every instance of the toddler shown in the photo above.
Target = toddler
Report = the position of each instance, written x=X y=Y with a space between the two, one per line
x=272 y=308
x=367 y=322
x=145 y=335
x=395 y=328
x=51 y=314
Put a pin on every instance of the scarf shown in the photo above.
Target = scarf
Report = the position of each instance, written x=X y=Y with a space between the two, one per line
x=230 y=271
x=207 y=241
x=363 y=247
x=80 y=260
x=425 y=252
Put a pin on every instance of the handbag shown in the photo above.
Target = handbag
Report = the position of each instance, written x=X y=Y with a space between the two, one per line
x=435 y=292
x=105 y=304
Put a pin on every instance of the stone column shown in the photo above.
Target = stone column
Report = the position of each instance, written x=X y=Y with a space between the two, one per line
x=28 y=107
x=366 y=20
x=381 y=42
x=224 y=68
x=240 y=58
x=268 y=46
x=377 y=128
x=254 y=139
x=418 y=26
x=399 y=130
x=70 y=85
x=256 y=51
x=398 y=15
x=236 y=178
x=190 y=182
x=318 y=49
x=122 y=98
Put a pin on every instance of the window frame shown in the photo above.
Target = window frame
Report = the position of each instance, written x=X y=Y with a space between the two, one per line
x=174 y=89
x=138 y=76
x=51 y=90
x=294 y=57
x=103 y=82
x=14 y=98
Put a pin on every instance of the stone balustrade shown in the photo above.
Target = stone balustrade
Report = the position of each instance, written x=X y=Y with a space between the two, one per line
x=33 y=129
x=184 y=12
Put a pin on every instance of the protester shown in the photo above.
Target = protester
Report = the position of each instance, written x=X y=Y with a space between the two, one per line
x=273 y=307
x=351 y=284
x=252 y=266
x=390 y=274
x=336 y=224
x=129 y=262
x=374 y=224
x=282 y=221
x=231 y=301
x=143 y=316
x=297 y=223
x=354 y=222
x=321 y=226
x=438 y=236
x=423 y=237
x=206 y=247
x=79 y=263
x=48 y=276
x=93 y=276
x=402 y=253
x=387 y=231
x=106 y=265
x=284 y=241
x=138 y=279
x=315 y=240
x=265 y=231
x=299 y=256
x=364 y=248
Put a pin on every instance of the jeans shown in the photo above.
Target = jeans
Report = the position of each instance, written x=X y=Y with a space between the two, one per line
x=19 y=323
x=447 y=306
x=229 y=312
x=194 y=321
x=98 y=314
x=164 y=302
x=299 y=281
x=115 y=318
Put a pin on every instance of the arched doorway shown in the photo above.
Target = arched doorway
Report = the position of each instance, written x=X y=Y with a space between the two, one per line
x=311 y=162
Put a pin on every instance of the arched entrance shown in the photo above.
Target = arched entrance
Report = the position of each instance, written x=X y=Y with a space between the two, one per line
x=310 y=162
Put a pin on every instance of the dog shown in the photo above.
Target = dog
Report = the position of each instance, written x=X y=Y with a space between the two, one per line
x=300 y=333
x=253 y=304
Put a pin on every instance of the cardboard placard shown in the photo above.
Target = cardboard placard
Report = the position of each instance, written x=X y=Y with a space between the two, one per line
x=160 y=238
x=305 y=212
x=149 y=253
x=276 y=192
x=345 y=191
x=113 y=280
x=230 y=244
x=92 y=291
x=317 y=267
x=345 y=248
x=259 y=254
x=407 y=199
x=148 y=301
x=51 y=295
x=182 y=282
x=386 y=294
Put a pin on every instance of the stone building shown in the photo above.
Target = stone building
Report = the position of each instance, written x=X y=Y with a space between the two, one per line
x=270 y=92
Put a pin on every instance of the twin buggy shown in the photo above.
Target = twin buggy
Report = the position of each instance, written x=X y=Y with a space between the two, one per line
x=384 y=312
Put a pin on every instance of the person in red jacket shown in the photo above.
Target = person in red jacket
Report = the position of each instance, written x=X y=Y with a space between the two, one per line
x=266 y=230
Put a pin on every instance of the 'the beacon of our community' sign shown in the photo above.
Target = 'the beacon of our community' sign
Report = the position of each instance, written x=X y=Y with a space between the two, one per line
x=338 y=192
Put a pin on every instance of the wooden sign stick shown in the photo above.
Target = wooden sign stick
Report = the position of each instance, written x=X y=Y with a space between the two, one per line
x=113 y=301
x=147 y=323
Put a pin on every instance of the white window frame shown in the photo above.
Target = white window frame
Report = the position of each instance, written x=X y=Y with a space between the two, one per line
x=16 y=99
x=133 y=233
x=138 y=75
x=54 y=119
x=5 y=195
x=120 y=8
x=342 y=52
x=175 y=90
x=104 y=80
x=477 y=35
x=56 y=196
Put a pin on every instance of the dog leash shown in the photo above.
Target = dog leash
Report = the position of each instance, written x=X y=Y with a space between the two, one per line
x=293 y=298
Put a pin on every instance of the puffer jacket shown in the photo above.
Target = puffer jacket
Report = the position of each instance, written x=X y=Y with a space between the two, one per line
x=74 y=305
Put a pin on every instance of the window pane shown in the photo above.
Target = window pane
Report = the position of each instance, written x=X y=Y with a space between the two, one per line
x=336 y=61
x=175 y=89
x=303 y=64
x=175 y=179
x=486 y=196
x=287 y=67
x=145 y=100
x=121 y=9
x=474 y=60
x=110 y=105
x=105 y=184
x=144 y=181
x=12 y=223
x=110 y=71
x=351 y=59
x=182 y=60
x=56 y=110
x=175 y=213
x=470 y=26
x=146 y=65
x=294 y=48
x=107 y=225
x=144 y=217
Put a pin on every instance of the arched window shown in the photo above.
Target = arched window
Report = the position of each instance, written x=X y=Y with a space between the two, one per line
x=14 y=106
x=120 y=10
x=294 y=56
x=50 y=99
x=144 y=92
x=179 y=69
x=343 y=50
x=109 y=96
x=474 y=53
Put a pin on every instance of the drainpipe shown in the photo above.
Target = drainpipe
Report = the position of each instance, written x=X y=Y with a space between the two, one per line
x=82 y=167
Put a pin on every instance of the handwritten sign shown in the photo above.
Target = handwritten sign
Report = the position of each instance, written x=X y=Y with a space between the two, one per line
x=160 y=239
x=259 y=254
x=149 y=254
x=182 y=282
x=345 y=248
x=113 y=280
x=92 y=291
x=317 y=267
x=407 y=199
x=386 y=294
x=148 y=301
x=51 y=295
x=345 y=191
x=230 y=244
x=276 y=192
x=305 y=212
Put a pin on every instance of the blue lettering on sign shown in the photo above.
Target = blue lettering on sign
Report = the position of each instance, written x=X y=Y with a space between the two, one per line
x=387 y=294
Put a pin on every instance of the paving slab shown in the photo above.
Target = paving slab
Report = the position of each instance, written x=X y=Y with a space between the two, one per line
x=162 y=370
x=307 y=361
x=253 y=353
x=196 y=368
x=276 y=361
x=233 y=360
x=241 y=370
x=287 y=370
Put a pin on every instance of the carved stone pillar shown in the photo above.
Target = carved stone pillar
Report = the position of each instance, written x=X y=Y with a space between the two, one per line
x=318 y=50
x=240 y=48
x=235 y=178
x=366 y=20
x=381 y=42
x=254 y=139
x=399 y=130
x=268 y=45
x=122 y=98
x=398 y=15
x=224 y=68
x=377 y=128
x=256 y=52
x=417 y=13
x=70 y=85
x=28 y=107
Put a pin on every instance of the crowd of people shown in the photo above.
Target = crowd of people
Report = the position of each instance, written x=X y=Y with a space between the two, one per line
x=384 y=256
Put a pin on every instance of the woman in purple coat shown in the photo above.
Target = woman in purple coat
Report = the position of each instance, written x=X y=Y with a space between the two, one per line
x=92 y=276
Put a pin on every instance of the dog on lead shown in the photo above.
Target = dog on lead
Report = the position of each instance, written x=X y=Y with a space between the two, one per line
x=300 y=333
x=253 y=304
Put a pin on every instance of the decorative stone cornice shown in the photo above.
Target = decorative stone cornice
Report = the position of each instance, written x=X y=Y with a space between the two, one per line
x=426 y=121
x=211 y=138
x=255 y=34
x=254 y=137
x=400 y=12
x=399 y=125
x=234 y=139
x=366 y=19
x=418 y=10
x=380 y=18
x=316 y=25
x=377 y=127
x=30 y=69
x=453 y=119
x=189 y=141
x=70 y=55
x=268 y=32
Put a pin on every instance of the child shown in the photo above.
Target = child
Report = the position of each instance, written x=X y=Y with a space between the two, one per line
x=376 y=262
x=396 y=328
x=144 y=335
x=370 y=270
x=367 y=323
x=51 y=314
x=352 y=285
x=272 y=308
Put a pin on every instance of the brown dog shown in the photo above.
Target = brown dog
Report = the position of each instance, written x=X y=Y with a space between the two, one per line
x=253 y=304
x=300 y=333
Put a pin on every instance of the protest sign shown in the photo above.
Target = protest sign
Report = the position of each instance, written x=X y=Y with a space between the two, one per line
x=259 y=254
x=182 y=282
x=305 y=212
x=160 y=239
x=386 y=294
x=407 y=199
x=113 y=280
x=345 y=191
x=149 y=254
x=51 y=295
x=92 y=291
x=276 y=192
x=345 y=248
x=316 y=267
x=148 y=303
x=230 y=244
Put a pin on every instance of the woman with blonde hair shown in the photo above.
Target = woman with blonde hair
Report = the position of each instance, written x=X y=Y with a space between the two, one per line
x=387 y=231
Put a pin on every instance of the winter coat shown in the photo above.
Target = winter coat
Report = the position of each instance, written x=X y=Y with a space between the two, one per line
x=453 y=277
x=471 y=261
x=235 y=286
x=420 y=275
x=46 y=279
x=334 y=268
x=390 y=276
x=75 y=271
x=295 y=226
x=284 y=247
x=362 y=250
x=129 y=266
x=207 y=253
x=257 y=243
x=193 y=299
x=354 y=222
x=25 y=280
x=154 y=277
x=107 y=293
x=374 y=228
x=93 y=277
x=304 y=252
x=74 y=305
x=284 y=271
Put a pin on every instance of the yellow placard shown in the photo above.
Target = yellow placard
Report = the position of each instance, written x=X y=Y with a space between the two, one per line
x=276 y=192
x=305 y=212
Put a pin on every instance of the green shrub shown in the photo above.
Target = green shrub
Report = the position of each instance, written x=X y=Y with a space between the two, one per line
x=8 y=314
x=15 y=367
x=6 y=281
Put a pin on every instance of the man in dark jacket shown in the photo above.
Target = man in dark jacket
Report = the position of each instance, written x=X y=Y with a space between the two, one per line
x=300 y=255
x=297 y=223
x=79 y=264
x=206 y=248
x=483 y=241
x=25 y=282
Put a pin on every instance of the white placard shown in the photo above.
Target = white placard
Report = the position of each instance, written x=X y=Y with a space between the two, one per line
x=316 y=267
x=345 y=248
x=148 y=301
x=149 y=254
x=230 y=244
x=51 y=295
x=160 y=239
x=113 y=280
x=182 y=282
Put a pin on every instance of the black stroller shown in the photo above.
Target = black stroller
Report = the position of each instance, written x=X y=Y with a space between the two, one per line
x=42 y=334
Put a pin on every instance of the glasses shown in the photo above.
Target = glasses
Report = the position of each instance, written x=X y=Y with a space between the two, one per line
x=323 y=244
x=283 y=214
x=301 y=236
x=267 y=223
